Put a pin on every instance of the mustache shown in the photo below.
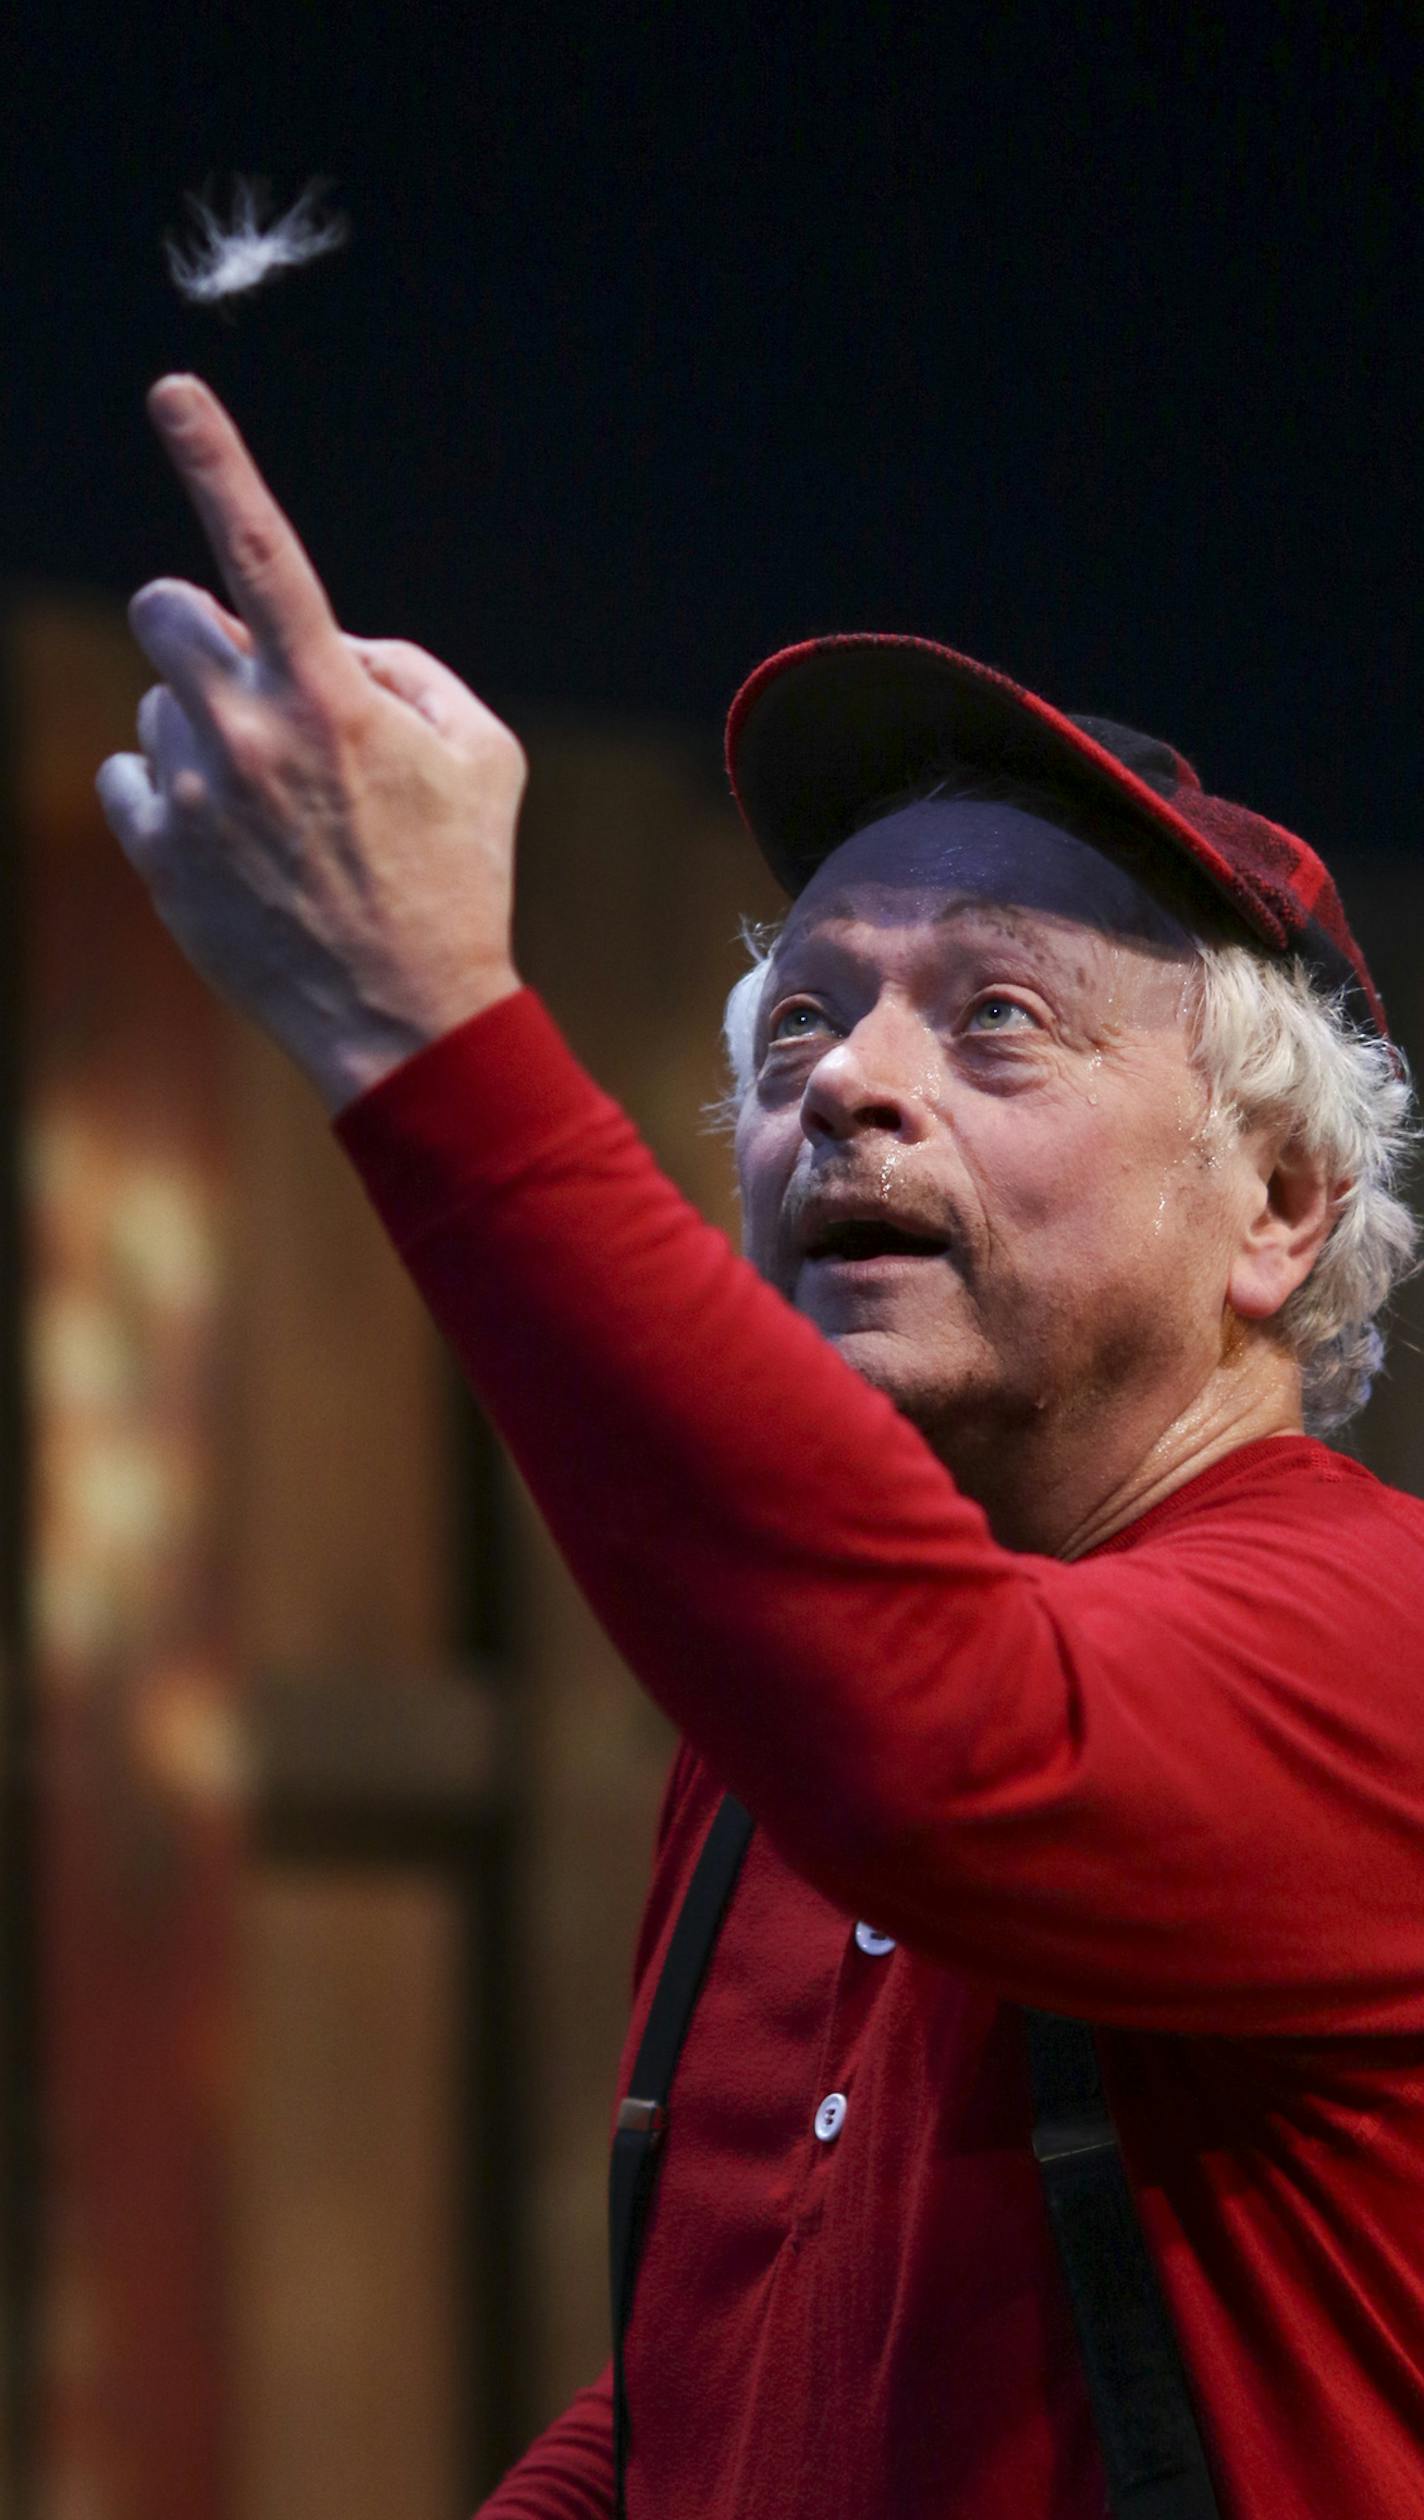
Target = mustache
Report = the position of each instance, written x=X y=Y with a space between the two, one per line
x=820 y=1207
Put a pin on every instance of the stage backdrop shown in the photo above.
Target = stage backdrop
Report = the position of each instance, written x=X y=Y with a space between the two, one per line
x=327 y=1809
x=330 y=1809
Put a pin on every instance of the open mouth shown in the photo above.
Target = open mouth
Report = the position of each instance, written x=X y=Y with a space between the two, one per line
x=867 y=1238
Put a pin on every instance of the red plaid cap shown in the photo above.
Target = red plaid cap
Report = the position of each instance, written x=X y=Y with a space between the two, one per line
x=824 y=731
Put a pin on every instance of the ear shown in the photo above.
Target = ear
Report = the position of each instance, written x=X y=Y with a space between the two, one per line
x=1291 y=1211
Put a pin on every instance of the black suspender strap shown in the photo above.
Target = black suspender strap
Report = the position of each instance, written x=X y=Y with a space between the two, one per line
x=1152 y=2449
x=642 y=2116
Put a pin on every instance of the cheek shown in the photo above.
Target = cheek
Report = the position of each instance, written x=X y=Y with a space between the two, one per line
x=1082 y=1198
x=1043 y=1175
x=1160 y=1223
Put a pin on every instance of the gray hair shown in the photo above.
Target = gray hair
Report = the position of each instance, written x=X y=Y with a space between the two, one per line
x=1272 y=1051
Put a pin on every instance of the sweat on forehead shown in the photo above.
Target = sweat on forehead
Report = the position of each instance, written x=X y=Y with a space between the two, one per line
x=983 y=849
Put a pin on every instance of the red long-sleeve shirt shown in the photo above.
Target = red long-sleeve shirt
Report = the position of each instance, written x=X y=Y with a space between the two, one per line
x=1176 y=1787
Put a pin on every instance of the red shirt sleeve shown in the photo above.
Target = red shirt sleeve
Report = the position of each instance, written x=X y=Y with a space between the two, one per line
x=567 y=2474
x=1180 y=1784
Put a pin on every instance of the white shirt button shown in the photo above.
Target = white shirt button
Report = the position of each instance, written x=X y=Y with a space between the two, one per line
x=830 y=2117
x=874 y=1944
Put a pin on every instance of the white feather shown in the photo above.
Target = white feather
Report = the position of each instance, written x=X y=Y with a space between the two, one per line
x=232 y=255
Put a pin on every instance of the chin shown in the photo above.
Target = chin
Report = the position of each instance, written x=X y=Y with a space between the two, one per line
x=896 y=1366
x=956 y=1405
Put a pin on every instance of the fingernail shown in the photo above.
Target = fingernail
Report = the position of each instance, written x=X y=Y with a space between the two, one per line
x=172 y=399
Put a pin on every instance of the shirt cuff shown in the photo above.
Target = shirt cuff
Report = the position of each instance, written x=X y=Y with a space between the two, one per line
x=469 y=1112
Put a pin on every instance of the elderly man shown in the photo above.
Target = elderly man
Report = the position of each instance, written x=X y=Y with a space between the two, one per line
x=1058 y=1667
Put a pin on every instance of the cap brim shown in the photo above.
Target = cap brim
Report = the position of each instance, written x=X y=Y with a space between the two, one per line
x=823 y=732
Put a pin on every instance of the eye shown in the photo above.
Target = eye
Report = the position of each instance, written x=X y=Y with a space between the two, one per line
x=796 y=1021
x=998 y=1014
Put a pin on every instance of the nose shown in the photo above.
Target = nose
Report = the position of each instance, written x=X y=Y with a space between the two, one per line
x=883 y=1077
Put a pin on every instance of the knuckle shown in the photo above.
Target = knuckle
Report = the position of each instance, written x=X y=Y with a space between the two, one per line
x=252 y=547
x=246 y=745
x=190 y=798
x=332 y=710
x=346 y=715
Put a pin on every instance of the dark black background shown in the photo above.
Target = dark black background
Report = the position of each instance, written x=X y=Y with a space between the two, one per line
x=1085 y=339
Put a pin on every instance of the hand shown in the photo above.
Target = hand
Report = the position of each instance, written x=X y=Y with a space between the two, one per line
x=326 y=824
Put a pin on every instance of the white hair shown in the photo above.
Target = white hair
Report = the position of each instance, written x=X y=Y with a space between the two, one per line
x=1272 y=1051
x=1276 y=1052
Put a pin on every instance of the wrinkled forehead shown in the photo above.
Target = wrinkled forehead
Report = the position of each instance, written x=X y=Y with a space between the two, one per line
x=926 y=861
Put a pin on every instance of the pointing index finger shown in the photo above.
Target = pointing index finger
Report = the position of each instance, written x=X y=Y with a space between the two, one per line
x=266 y=571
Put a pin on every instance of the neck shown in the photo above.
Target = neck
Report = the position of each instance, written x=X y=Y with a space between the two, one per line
x=1063 y=1486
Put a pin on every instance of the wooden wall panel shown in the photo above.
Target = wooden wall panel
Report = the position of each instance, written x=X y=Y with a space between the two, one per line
x=126 y=1203
x=340 y=1512
x=346 y=2290
x=346 y=2361
x=240 y=1472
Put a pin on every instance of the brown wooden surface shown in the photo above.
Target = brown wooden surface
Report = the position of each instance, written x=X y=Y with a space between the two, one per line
x=248 y=1565
x=344 y=2286
x=345 y=2344
x=241 y=1478
x=126 y=1178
